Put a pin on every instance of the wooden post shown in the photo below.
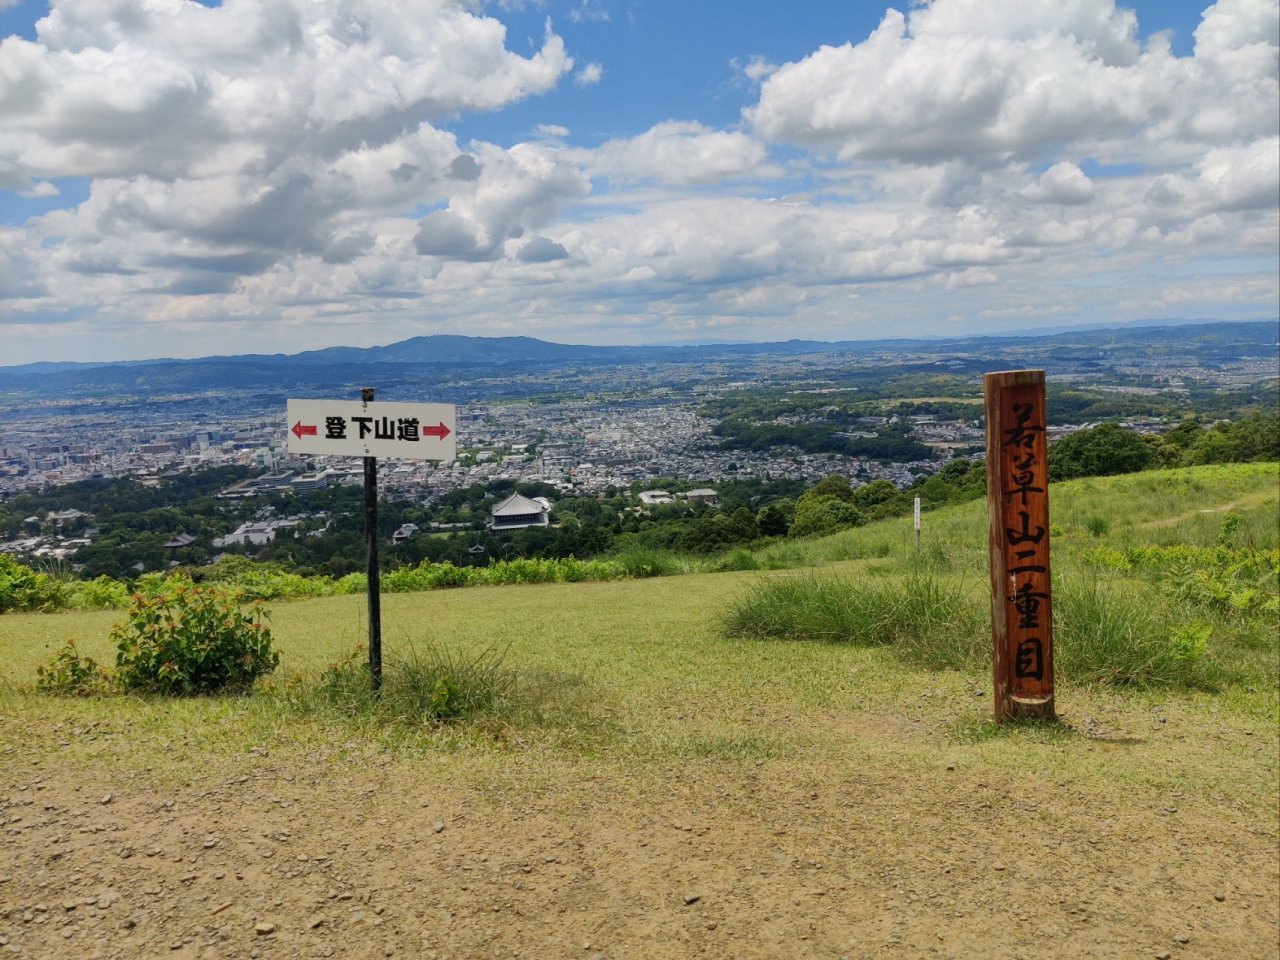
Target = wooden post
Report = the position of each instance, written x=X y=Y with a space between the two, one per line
x=371 y=555
x=917 y=523
x=1018 y=510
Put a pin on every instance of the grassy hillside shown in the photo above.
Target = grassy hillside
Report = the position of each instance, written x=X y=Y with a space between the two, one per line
x=1168 y=577
x=643 y=649
x=660 y=788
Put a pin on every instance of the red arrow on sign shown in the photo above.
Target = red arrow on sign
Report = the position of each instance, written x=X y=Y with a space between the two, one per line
x=441 y=431
x=301 y=431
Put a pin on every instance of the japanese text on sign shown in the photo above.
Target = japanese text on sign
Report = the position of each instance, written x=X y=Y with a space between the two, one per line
x=1028 y=547
x=423 y=431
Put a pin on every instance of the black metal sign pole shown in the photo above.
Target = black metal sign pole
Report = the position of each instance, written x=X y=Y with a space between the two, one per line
x=371 y=551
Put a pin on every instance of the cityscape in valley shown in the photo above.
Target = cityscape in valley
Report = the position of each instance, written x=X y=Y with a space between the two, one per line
x=586 y=422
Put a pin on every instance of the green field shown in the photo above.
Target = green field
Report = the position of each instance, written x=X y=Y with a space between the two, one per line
x=653 y=659
x=641 y=708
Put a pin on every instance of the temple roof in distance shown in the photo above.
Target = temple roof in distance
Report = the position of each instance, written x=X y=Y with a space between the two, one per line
x=516 y=506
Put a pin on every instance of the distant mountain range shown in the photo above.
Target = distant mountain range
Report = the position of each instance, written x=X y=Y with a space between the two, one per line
x=440 y=358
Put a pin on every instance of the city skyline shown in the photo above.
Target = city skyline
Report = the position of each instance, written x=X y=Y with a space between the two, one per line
x=180 y=180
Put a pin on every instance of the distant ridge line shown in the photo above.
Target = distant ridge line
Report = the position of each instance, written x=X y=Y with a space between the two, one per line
x=459 y=349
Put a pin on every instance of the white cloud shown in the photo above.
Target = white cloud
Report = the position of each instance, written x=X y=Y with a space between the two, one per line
x=589 y=75
x=172 y=89
x=679 y=153
x=589 y=11
x=1240 y=35
x=41 y=190
x=1025 y=311
x=754 y=69
x=1064 y=182
x=514 y=191
x=20 y=274
x=994 y=78
x=1224 y=180
x=225 y=143
x=541 y=250
x=972 y=277
x=1242 y=178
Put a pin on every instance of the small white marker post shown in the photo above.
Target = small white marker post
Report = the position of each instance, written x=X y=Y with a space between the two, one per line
x=917 y=524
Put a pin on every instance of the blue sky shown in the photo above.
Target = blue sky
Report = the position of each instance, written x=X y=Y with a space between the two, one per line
x=671 y=59
x=183 y=181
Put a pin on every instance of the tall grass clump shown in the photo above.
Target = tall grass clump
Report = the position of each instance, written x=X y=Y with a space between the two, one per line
x=740 y=559
x=1125 y=637
x=925 y=618
x=431 y=686
x=640 y=561
x=1109 y=636
x=785 y=555
x=423 y=686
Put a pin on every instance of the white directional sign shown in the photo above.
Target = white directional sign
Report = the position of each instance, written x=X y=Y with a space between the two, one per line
x=352 y=428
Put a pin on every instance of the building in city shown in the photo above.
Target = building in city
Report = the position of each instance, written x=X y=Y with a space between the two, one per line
x=517 y=512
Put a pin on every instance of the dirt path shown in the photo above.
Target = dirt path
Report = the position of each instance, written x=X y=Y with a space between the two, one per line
x=319 y=857
x=1243 y=503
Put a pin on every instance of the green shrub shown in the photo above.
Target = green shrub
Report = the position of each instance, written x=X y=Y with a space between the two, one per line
x=1098 y=526
x=263 y=581
x=102 y=593
x=787 y=554
x=819 y=516
x=192 y=640
x=942 y=625
x=1190 y=641
x=438 y=685
x=524 y=570
x=1230 y=524
x=1105 y=558
x=352 y=583
x=1101 y=451
x=272 y=584
x=70 y=672
x=160 y=584
x=22 y=588
x=1232 y=580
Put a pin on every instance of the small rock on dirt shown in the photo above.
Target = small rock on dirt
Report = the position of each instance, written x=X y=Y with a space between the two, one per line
x=264 y=928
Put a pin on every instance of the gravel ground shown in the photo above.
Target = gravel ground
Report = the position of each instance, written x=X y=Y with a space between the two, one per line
x=322 y=856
